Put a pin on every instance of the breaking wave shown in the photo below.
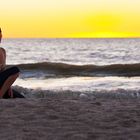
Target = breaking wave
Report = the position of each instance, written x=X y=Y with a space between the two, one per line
x=63 y=69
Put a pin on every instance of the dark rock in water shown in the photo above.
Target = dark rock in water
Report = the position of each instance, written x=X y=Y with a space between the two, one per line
x=16 y=94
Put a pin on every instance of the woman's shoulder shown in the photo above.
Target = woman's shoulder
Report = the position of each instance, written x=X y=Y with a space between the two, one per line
x=2 y=49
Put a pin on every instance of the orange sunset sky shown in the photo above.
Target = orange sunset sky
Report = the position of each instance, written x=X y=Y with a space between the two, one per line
x=70 y=18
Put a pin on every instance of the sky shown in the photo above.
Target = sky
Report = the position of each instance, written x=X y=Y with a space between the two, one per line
x=70 y=18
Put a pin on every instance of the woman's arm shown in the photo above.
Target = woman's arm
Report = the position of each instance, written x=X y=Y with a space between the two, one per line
x=2 y=59
x=4 y=53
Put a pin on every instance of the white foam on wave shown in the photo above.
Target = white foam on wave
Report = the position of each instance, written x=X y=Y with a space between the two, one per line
x=80 y=87
x=84 y=95
x=81 y=83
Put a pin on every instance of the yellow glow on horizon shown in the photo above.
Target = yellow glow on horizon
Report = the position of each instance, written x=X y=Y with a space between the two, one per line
x=106 y=35
x=70 y=18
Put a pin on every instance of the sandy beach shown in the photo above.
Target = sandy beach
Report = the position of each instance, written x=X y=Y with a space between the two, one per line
x=68 y=118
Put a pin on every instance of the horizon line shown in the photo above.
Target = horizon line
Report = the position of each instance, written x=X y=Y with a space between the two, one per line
x=70 y=37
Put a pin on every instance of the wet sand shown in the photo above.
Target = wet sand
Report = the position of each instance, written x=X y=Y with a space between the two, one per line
x=57 y=118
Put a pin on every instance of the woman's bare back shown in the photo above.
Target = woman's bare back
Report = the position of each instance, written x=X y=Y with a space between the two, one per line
x=2 y=58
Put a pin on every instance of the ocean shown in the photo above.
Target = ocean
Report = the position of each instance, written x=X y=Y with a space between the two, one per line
x=99 y=67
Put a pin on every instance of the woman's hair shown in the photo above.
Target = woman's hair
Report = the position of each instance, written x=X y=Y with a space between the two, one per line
x=0 y=34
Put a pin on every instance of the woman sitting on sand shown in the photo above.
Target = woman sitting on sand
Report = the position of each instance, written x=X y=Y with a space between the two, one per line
x=7 y=76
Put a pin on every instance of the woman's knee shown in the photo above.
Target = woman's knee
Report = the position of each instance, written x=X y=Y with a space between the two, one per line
x=15 y=69
x=13 y=77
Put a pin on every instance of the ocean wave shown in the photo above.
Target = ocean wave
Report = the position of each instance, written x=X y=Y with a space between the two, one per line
x=83 y=95
x=63 y=69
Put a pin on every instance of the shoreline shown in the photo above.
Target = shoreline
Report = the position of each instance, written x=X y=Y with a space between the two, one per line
x=79 y=95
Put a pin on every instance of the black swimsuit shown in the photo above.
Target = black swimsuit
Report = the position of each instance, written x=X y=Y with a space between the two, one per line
x=4 y=75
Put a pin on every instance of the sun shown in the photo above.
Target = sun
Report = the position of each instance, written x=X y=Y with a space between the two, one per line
x=105 y=25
